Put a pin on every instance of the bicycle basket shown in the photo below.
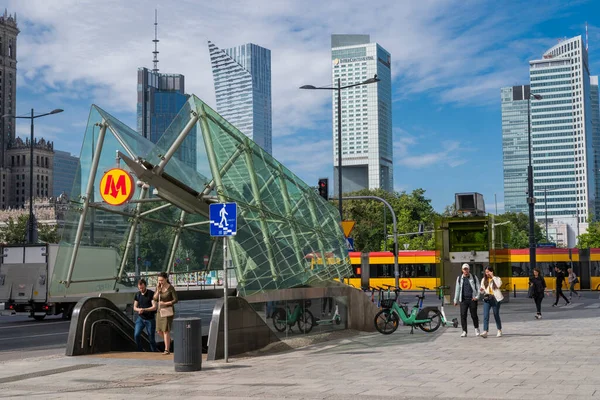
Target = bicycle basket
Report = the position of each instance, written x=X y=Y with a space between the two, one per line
x=387 y=303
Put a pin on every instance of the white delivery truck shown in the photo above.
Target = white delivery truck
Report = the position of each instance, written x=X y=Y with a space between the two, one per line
x=25 y=278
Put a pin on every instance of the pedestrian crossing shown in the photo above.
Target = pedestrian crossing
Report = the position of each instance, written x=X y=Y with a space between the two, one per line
x=578 y=305
x=595 y=305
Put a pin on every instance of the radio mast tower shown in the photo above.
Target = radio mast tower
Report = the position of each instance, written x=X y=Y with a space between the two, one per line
x=155 y=52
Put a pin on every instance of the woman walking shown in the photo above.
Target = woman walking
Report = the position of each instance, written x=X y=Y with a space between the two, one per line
x=573 y=280
x=165 y=296
x=537 y=287
x=490 y=289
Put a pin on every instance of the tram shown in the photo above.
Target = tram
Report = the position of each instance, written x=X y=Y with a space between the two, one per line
x=423 y=267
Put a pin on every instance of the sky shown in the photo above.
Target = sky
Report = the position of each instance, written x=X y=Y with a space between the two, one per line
x=449 y=61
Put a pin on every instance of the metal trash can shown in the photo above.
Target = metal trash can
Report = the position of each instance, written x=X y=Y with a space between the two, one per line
x=187 y=344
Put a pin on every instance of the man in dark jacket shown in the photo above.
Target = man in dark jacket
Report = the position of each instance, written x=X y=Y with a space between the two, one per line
x=560 y=278
x=467 y=293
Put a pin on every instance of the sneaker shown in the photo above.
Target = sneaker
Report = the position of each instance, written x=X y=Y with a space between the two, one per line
x=568 y=302
x=540 y=316
x=477 y=333
x=499 y=334
x=554 y=305
x=537 y=316
x=484 y=334
x=464 y=334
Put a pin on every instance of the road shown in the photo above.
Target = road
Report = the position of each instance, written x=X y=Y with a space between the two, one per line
x=22 y=337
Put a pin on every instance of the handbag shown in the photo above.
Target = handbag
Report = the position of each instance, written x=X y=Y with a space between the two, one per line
x=530 y=292
x=165 y=311
x=576 y=281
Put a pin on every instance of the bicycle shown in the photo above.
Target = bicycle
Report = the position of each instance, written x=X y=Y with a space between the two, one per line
x=284 y=317
x=387 y=320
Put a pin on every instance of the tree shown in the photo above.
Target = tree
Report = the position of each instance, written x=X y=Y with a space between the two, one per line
x=590 y=239
x=410 y=208
x=518 y=230
x=15 y=231
x=48 y=233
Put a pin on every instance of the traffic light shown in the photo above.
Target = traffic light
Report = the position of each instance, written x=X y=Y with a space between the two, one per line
x=324 y=188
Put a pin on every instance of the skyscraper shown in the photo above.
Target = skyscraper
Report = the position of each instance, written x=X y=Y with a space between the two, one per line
x=595 y=108
x=15 y=162
x=65 y=169
x=562 y=135
x=8 y=97
x=242 y=77
x=367 y=155
x=515 y=155
x=160 y=97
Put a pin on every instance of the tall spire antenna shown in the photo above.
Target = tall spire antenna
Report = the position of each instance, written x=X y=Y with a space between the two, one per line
x=155 y=52
x=586 y=37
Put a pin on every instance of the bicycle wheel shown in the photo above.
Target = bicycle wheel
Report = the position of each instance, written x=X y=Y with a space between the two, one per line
x=306 y=321
x=435 y=318
x=386 y=322
x=279 y=319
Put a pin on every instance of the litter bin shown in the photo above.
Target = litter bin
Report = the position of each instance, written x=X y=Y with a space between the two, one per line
x=187 y=344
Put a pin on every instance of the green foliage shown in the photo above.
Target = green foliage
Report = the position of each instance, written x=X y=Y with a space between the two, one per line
x=590 y=239
x=517 y=231
x=48 y=233
x=410 y=208
x=15 y=231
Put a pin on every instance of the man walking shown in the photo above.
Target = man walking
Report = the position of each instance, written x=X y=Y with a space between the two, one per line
x=467 y=293
x=145 y=306
x=560 y=278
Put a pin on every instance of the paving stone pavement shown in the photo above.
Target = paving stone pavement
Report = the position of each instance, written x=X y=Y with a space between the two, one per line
x=553 y=358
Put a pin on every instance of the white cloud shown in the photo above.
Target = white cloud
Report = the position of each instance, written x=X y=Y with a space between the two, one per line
x=74 y=44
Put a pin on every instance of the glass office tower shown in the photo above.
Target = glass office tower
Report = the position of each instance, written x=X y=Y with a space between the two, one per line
x=160 y=97
x=242 y=77
x=65 y=169
x=515 y=155
x=367 y=154
x=561 y=128
x=595 y=109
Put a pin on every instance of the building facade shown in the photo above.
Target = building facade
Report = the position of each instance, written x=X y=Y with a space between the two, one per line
x=160 y=98
x=65 y=170
x=515 y=145
x=562 y=135
x=18 y=163
x=8 y=98
x=242 y=77
x=367 y=146
x=595 y=109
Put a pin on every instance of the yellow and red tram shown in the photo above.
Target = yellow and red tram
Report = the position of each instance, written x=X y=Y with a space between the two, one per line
x=423 y=267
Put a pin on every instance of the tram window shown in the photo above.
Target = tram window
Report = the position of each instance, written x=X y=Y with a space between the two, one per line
x=595 y=268
x=520 y=269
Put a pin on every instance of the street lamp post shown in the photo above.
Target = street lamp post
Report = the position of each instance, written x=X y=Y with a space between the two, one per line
x=31 y=221
x=530 y=196
x=339 y=89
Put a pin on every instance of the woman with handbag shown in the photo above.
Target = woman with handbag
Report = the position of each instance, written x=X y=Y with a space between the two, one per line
x=165 y=296
x=537 y=287
x=492 y=296
x=573 y=280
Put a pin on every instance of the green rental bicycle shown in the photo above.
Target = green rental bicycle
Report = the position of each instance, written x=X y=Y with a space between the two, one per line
x=387 y=320
x=284 y=317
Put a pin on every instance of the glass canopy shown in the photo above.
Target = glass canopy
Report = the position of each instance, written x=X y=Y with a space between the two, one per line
x=287 y=235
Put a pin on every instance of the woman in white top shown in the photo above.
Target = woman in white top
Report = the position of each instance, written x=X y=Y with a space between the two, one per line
x=490 y=289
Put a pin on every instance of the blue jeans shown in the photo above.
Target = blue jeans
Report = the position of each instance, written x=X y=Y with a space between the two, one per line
x=495 y=306
x=150 y=325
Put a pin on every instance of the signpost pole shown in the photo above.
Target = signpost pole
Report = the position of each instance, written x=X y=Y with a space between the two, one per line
x=225 y=305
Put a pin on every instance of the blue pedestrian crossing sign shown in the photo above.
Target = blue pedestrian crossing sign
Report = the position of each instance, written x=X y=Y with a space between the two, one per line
x=223 y=219
x=350 y=244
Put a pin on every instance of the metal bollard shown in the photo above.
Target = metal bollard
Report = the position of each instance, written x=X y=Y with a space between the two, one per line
x=187 y=344
x=515 y=290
